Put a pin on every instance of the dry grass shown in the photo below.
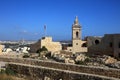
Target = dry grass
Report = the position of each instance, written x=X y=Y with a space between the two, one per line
x=9 y=77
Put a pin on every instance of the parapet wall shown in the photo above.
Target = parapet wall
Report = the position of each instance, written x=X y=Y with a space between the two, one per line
x=109 y=72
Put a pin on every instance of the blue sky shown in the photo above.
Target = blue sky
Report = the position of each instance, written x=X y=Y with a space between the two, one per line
x=26 y=18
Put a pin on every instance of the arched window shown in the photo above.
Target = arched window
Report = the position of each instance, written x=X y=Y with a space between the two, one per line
x=77 y=34
x=97 y=42
x=84 y=45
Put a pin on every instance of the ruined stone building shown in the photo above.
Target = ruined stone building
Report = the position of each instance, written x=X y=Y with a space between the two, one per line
x=77 y=44
x=48 y=43
x=108 y=45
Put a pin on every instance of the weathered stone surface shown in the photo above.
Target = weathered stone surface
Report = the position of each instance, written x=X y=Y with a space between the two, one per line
x=110 y=72
x=81 y=57
x=114 y=65
x=48 y=43
x=110 y=60
x=32 y=72
x=108 y=45
x=1 y=48
x=67 y=60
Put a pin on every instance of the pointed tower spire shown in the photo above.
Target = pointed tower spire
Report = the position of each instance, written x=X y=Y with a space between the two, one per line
x=76 y=21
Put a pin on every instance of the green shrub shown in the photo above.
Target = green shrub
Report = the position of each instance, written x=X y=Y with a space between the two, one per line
x=42 y=49
x=2 y=71
x=87 y=60
x=9 y=72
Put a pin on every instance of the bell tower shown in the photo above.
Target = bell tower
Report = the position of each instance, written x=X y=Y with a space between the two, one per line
x=77 y=43
x=76 y=30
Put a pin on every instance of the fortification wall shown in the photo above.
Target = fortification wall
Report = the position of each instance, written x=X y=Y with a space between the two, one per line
x=32 y=72
x=110 y=72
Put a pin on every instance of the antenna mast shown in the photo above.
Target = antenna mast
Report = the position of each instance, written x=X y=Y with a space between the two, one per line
x=45 y=30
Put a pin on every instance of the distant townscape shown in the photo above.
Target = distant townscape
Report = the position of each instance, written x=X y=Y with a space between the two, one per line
x=91 y=53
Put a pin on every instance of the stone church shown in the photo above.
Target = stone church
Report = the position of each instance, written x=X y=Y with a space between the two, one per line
x=77 y=44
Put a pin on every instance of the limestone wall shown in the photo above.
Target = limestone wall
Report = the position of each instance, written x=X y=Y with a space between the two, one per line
x=77 y=46
x=93 y=40
x=117 y=46
x=1 y=48
x=32 y=72
x=109 y=45
x=50 y=45
x=34 y=47
x=100 y=49
x=69 y=49
x=110 y=72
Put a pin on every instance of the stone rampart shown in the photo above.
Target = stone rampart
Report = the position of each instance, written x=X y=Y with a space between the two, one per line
x=109 y=72
x=32 y=72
